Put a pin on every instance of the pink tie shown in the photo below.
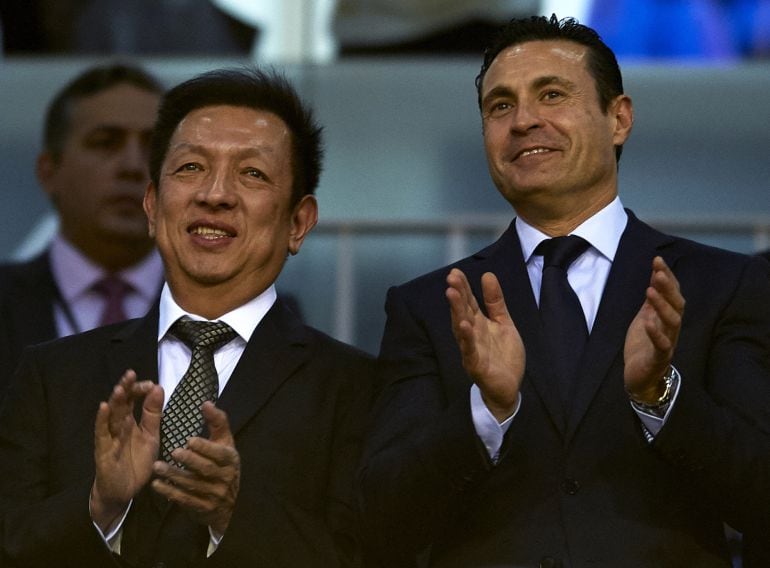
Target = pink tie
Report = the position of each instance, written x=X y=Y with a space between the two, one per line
x=114 y=291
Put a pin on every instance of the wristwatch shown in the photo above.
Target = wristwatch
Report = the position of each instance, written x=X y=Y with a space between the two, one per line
x=660 y=406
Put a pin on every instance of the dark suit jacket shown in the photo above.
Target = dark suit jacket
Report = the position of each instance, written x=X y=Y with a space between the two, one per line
x=580 y=487
x=28 y=294
x=295 y=401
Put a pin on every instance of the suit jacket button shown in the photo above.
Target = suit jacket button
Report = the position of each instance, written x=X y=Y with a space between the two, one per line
x=549 y=562
x=570 y=486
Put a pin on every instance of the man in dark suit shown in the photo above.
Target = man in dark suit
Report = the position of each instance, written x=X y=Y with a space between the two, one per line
x=93 y=167
x=512 y=434
x=267 y=481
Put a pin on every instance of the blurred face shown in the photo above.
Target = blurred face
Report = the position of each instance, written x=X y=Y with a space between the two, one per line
x=546 y=138
x=222 y=216
x=98 y=182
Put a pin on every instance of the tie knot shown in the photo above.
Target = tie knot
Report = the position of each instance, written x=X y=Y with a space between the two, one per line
x=561 y=251
x=202 y=334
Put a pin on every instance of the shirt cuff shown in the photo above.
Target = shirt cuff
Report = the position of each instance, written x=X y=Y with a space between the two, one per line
x=114 y=536
x=488 y=429
x=214 y=541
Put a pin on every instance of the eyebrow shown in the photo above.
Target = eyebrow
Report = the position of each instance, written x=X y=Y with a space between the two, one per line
x=539 y=83
x=246 y=152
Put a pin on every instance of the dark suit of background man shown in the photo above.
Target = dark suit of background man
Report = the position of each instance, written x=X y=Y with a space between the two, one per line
x=481 y=455
x=234 y=163
x=94 y=169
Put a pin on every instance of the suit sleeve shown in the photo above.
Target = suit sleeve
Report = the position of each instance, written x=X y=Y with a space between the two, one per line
x=421 y=451
x=41 y=523
x=718 y=432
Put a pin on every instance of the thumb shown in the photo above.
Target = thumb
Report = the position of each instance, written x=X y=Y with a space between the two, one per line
x=217 y=423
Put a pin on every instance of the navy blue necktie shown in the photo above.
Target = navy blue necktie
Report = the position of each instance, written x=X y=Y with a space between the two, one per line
x=563 y=319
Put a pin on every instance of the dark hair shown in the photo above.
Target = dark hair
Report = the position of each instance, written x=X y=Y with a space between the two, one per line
x=90 y=82
x=602 y=64
x=252 y=88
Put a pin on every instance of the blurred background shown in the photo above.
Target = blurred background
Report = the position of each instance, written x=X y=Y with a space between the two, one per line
x=405 y=187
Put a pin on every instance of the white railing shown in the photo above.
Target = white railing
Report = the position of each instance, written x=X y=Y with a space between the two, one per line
x=458 y=230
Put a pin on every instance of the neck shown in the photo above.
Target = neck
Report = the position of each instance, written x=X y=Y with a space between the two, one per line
x=210 y=302
x=559 y=218
x=115 y=256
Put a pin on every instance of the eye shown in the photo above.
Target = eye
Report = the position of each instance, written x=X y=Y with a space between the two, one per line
x=255 y=173
x=190 y=167
x=498 y=108
x=552 y=95
x=107 y=140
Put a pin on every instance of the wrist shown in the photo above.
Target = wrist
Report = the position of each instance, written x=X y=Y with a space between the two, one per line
x=104 y=512
x=659 y=396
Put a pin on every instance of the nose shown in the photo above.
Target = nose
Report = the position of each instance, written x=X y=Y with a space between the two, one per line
x=524 y=117
x=217 y=192
x=134 y=159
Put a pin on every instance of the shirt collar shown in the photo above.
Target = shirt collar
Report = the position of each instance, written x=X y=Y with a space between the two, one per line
x=603 y=231
x=75 y=273
x=244 y=319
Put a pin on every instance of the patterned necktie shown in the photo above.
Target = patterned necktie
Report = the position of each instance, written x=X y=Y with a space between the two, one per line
x=563 y=319
x=114 y=291
x=182 y=417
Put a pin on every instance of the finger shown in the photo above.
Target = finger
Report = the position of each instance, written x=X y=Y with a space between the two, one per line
x=217 y=423
x=669 y=318
x=180 y=495
x=102 y=426
x=119 y=407
x=457 y=280
x=190 y=482
x=206 y=453
x=493 y=298
x=152 y=410
x=665 y=282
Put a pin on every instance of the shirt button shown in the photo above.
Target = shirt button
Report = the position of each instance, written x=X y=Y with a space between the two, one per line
x=570 y=486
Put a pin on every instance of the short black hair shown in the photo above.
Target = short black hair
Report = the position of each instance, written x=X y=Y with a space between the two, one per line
x=264 y=90
x=602 y=64
x=92 y=81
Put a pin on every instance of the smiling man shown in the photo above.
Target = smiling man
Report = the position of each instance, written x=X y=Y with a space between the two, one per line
x=232 y=436
x=550 y=401
x=101 y=266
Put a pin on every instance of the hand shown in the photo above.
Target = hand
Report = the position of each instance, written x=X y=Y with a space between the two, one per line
x=208 y=485
x=491 y=347
x=124 y=450
x=653 y=335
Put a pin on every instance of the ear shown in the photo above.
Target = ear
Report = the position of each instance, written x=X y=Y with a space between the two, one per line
x=303 y=219
x=622 y=110
x=150 y=204
x=45 y=168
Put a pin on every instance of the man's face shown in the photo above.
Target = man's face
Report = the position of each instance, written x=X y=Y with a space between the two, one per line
x=546 y=138
x=98 y=182
x=222 y=216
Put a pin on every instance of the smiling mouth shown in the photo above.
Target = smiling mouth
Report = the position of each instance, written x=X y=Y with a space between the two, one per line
x=210 y=233
x=532 y=152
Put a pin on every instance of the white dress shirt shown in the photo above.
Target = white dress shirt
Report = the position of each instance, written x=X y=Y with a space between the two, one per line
x=174 y=357
x=587 y=276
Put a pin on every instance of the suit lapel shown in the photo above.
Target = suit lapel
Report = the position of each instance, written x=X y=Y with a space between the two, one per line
x=135 y=346
x=276 y=349
x=623 y=296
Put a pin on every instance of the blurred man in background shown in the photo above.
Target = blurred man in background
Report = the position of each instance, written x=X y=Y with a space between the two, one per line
x=101 y=267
